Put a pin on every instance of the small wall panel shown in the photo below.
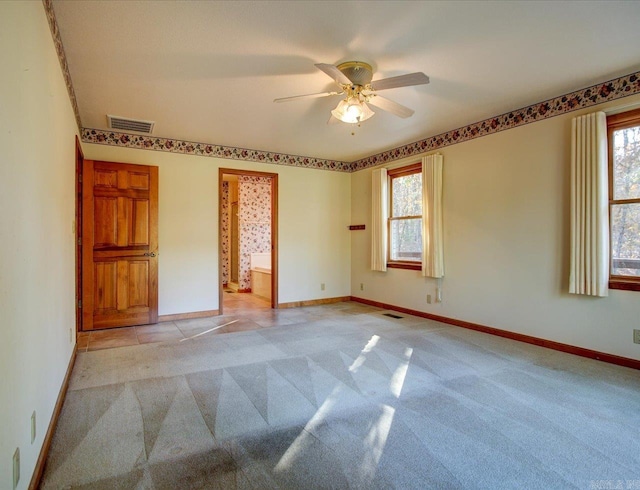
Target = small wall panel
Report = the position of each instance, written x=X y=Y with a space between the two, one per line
x=261 y=284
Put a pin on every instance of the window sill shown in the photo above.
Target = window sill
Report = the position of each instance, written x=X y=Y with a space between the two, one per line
x=625 y=285
x=405 y=265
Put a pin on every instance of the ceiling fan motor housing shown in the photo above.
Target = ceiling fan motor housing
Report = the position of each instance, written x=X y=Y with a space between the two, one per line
x=358 y=72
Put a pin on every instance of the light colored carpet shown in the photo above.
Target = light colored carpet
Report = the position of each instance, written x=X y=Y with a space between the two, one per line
x=341 y=396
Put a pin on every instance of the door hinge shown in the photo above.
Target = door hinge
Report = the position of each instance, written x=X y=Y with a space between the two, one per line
x=79 y=177
x=79 y=241
x=79 y=303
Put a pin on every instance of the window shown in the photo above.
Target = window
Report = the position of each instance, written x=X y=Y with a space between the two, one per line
x=405 y=217
x=624 y=199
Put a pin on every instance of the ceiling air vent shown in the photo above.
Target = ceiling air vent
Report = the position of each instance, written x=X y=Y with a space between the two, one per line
x=126 y=124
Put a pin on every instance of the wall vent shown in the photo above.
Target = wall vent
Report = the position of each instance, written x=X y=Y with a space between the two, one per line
x=126 y=124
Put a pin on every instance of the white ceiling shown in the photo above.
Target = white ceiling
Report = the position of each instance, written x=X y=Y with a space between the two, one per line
x=208 y=71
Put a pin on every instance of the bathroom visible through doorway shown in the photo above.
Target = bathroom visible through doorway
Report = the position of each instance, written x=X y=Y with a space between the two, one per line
x=248 y=236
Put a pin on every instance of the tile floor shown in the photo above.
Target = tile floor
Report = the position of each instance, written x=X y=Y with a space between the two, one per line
x=247 y=305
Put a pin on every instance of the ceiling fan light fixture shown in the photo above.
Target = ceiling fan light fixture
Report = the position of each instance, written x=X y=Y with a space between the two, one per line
x=352 y=111
x=355 y=80
x=366 y=112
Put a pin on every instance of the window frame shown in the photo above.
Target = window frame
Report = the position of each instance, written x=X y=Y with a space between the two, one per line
x=616 y=122
x=404 y=171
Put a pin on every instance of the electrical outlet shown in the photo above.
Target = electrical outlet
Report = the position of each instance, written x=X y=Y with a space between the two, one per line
x=636 y=336
x=429 y=298
x=361 y=286
x=33 y=426
x=16 y=468
x=322 y=286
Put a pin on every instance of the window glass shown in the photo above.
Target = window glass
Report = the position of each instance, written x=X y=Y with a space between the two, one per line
x=405 y=222
x=625 y=239
x=626 y=163
x=407 y=195
x=624 y=198
x=406 y=240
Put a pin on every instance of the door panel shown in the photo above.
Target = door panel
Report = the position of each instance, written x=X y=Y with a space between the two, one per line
x=123 y=222
x=105 y=286
x=138 y=283
x=120 y=245
x=106 y=178
x=105 y=222
x=139 y=180
x=139 y=212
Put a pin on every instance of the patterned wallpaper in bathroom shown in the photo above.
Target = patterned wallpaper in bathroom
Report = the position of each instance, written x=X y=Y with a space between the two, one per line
x=254 y=215
x=224 y=225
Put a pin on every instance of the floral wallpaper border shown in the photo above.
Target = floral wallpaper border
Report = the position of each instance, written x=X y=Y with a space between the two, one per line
x=62 y=58
x=580 y=99
x=142 y=142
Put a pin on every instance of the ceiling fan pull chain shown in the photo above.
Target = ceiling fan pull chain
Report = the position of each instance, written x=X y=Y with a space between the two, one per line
x=353 y=133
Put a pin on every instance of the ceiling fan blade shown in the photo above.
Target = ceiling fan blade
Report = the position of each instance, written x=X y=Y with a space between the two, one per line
x=408 y=80
x=308 y=96
x=390 y=106
x=334 y=73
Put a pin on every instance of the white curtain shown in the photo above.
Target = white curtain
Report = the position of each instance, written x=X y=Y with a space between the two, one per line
x=432 y=239
x=589 y=273
x=379 y=216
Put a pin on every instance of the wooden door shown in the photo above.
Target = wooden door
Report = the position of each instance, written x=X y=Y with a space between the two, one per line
x=120 y=245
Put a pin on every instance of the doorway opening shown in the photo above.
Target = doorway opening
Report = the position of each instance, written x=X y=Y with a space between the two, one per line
x=248 y=240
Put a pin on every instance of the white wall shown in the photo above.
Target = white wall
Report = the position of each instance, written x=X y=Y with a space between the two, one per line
x=314 y=209
x=37 y=130
x=506 y=220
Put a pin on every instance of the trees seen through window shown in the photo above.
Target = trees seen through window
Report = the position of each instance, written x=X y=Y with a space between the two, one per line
x=405 y=221
x=624 y=195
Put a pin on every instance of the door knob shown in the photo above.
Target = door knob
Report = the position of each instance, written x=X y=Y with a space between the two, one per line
x=149 y=254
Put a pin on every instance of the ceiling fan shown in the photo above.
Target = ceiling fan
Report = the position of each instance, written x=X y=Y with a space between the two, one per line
x=354 y=80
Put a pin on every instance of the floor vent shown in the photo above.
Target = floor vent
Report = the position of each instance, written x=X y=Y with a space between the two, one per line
x=126 y=124
x=391 y=315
